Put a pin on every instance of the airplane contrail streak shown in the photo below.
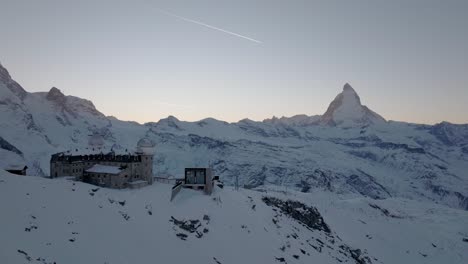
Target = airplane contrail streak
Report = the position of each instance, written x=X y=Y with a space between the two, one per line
x=208 y=26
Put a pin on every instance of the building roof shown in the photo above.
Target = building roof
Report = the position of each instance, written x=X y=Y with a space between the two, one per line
x=145 y=143
x=145 y=146
x=98 y=168
x=63 y=157
x=15 y=167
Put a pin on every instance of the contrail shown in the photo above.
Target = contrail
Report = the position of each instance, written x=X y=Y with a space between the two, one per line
x=208 y=26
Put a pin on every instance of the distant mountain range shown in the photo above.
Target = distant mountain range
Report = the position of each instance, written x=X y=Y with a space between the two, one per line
x=349 y=150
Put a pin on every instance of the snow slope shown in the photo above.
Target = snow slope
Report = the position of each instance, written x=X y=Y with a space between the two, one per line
x=63 y=221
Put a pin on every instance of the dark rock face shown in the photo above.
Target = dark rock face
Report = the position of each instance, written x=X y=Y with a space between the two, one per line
x=307 y=215
x=364 y=155
x=465 y=150
x=7 y=146
x=460 y=199
x=390 y=145
x=70 y=106
x=257 y=179
x=367 y=186
x=373 y=141
x=56 y=95
x=250 y=127
x=450 y=134
x=384 y=211
x=357 y=255
x=196 y=140
x=321 y=241
x=191 y=226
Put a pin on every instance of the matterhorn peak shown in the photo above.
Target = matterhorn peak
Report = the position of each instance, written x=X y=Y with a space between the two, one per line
x=347 y=87
x=346 y=109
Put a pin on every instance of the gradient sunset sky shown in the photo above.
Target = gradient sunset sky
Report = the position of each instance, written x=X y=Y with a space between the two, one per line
x=145 y=60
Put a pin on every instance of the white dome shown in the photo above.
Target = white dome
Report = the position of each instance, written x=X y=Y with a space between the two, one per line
x=96 y=140
x=145 y=145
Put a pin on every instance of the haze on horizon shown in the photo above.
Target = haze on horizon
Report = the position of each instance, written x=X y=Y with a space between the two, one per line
x=408 y=60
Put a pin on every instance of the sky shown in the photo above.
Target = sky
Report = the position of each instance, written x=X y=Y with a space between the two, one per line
x=229 y=60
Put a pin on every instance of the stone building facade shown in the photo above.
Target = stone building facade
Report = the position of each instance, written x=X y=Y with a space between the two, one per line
x=107 y=169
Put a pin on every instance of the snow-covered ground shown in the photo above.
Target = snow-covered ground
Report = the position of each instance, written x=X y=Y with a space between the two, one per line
x=63 y=221
x=390 y=192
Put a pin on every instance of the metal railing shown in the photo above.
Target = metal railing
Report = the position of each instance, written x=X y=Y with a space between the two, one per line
x=176 y=189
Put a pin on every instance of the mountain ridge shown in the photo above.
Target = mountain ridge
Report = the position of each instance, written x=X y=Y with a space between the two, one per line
x=352 y=159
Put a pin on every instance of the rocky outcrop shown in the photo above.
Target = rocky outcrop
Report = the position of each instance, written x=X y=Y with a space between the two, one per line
x=306 y=215
x=367 y=186
x=7 y=146
x=71 y=105
x=56 y=96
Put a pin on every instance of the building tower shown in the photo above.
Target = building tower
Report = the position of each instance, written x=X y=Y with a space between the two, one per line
x=145 y=149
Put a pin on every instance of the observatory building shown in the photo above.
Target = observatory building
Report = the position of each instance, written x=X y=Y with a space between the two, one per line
x=106 y=168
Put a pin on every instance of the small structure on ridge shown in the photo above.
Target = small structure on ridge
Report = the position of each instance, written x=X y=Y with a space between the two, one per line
x=198 y=179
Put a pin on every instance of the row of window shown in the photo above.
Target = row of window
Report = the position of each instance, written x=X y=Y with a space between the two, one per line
x=104 y=176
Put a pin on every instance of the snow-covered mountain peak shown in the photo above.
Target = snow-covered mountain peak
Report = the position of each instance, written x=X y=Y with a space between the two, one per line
x=71 y=104
x=172 y=118
x=346 y=109
x=4 y=74
x=55 y=95
x=348 y=87
x=170 y=122
x=297 y=120
x=10 y=84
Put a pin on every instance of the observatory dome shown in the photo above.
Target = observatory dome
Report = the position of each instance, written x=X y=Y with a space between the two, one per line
x=145 y=145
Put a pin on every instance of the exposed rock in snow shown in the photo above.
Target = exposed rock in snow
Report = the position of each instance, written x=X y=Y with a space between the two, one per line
x=56 y=96
x=451 y=134
x=7 y=146
x=70 y=104
x=297 y=120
